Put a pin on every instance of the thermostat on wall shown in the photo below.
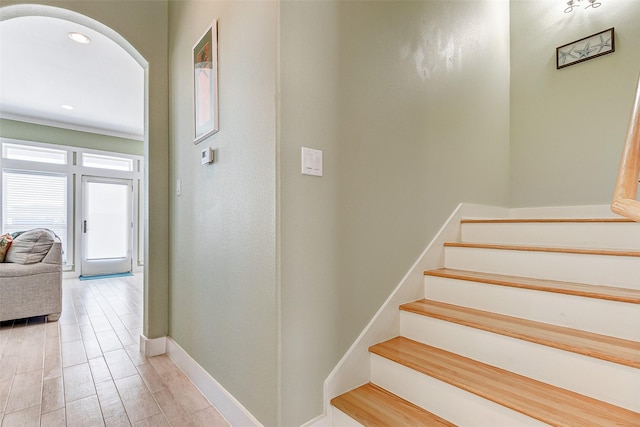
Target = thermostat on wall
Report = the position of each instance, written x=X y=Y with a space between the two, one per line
x=207 y=156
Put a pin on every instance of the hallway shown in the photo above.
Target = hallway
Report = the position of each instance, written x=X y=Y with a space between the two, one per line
x=86 y=369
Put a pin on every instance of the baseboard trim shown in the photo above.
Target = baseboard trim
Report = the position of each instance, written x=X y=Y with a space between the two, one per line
x=319 y=421
x=221 y=399
x=150 y=347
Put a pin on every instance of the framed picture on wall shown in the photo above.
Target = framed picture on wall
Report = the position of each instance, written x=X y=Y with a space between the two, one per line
x=587 y=48
x=205 y=84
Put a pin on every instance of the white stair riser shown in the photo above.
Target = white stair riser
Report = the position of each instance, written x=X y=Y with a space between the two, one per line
x=340 y=419
x=602 y=380
x=582 y=235
x=604 y=317
x=620 y=271
x=451 y=403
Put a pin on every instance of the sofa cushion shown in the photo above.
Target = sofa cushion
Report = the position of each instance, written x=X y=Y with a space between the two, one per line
x=5 y=242
x=12 y=270
x=30 y=247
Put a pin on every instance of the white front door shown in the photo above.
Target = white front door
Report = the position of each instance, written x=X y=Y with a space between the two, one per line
x=107 y=225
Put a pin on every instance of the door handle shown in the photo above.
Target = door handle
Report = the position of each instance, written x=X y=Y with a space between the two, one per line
x=84 y=226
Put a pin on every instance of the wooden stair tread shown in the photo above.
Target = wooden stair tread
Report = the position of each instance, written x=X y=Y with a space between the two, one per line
x=542 y=220
x=610 y=293
x=546 y=403
x=556 y=249
x=371 y=405
x=612 y=349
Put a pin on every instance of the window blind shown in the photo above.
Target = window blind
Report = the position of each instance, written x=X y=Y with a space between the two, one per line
x=35 y=200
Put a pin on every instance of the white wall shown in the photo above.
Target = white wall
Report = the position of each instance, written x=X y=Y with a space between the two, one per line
x=223 y=306
x=568 y=126
x=409 y=102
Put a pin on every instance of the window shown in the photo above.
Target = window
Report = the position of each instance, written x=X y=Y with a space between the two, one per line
x=107 y=162
x=34 y=154
x=41 y=187
x=35 y=200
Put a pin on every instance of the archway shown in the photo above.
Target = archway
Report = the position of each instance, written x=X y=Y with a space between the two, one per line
x=31 y=10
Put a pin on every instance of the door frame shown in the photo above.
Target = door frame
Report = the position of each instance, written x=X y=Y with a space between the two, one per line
x=136 y=176
x=121 y=264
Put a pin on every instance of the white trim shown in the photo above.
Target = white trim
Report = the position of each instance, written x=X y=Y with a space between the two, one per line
x=221 y=399
x=150 y=347
x=353 y=369
x=591 y=211
x=320 y=421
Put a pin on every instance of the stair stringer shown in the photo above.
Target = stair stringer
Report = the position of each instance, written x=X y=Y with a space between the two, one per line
x=353 y=370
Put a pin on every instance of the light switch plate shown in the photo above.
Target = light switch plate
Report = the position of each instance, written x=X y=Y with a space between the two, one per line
x=311 y=162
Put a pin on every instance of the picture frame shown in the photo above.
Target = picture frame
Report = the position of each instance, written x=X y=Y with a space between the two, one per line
x=205 y=84
x=587 y=48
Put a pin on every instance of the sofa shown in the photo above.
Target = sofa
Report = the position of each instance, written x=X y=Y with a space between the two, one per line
x=31 y=275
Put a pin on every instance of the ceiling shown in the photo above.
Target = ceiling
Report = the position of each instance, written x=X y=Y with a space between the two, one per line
x=41 y=69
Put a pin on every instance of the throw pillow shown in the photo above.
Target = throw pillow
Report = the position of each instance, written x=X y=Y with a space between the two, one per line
x=5 y=242
x=16 y=234
x=31 y=246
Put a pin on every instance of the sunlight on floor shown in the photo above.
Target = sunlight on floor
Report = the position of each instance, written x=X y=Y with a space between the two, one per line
x=86 y=369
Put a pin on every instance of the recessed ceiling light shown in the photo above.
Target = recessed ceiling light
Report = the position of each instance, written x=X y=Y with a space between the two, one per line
x=67 y=107
x=79 y=38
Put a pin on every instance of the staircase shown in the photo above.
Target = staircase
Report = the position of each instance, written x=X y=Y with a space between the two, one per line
x=529 y=323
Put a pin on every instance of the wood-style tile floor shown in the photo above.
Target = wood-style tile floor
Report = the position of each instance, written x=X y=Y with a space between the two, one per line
x=86 y=369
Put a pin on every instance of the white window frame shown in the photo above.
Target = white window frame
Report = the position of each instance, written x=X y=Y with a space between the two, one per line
x=74 y=172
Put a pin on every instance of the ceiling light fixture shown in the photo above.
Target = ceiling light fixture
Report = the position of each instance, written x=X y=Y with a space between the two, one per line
x=573 y=4
x=67 y=107
x=79 y=38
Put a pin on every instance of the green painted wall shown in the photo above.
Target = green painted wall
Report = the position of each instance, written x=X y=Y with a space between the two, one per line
x=274 y=274
x=223 y=298
x=144 y=24
x=53 y=135
x=568 y=126
x=409 y=102
x=417 y=106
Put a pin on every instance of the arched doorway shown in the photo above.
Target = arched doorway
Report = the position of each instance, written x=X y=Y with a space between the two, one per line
x=31 y=10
